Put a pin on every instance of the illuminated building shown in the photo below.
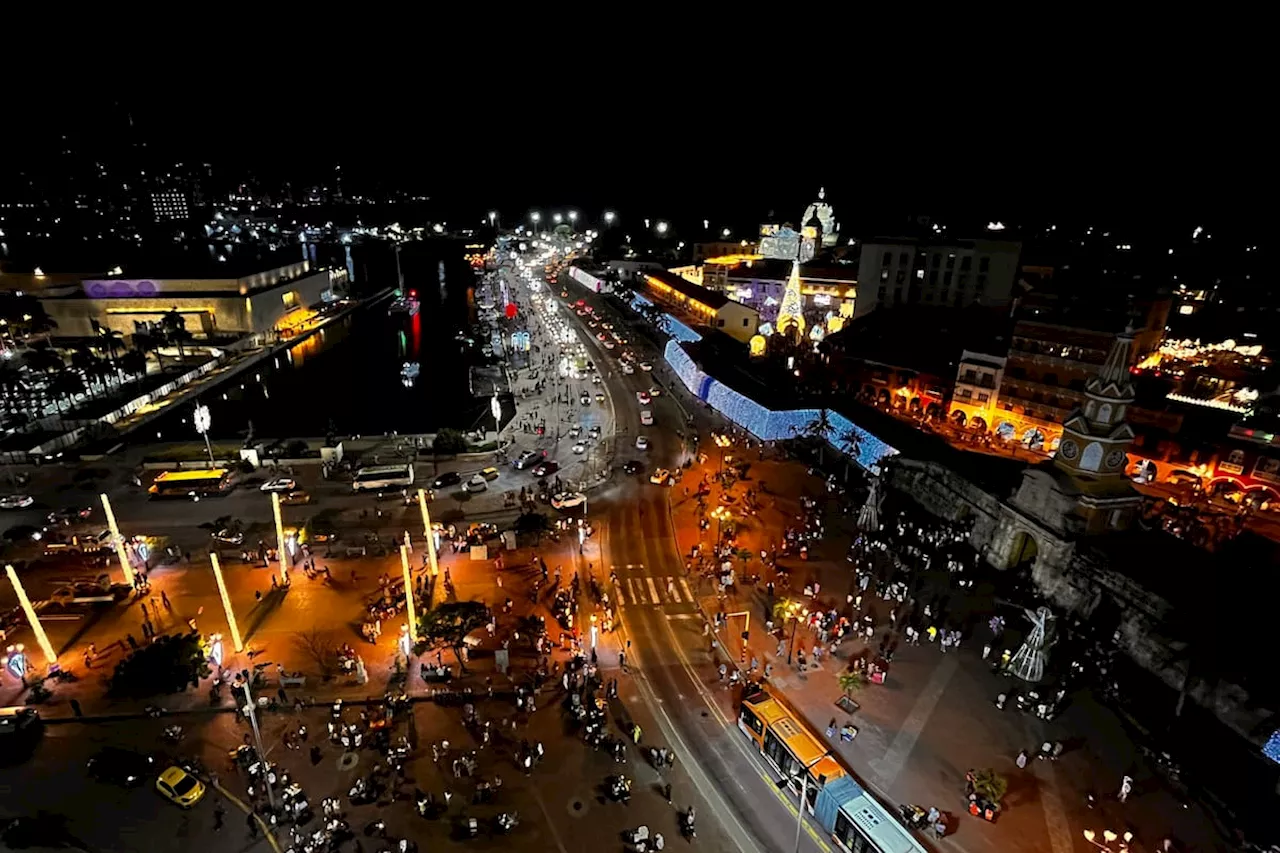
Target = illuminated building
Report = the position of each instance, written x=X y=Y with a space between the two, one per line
x=702 y=306
x=976 y=393
x=924 y=272
x=762 y=282
x=826 y=216
x=234 y=299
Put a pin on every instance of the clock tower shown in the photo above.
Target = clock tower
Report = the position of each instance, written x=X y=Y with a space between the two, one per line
x=1095 y=438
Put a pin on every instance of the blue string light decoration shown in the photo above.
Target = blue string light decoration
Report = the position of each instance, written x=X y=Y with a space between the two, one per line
x=770 y=425
x=1271 y=749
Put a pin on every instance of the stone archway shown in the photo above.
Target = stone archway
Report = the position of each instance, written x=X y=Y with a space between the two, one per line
x=1024 y=551
x=978 y=423
x=958 y=417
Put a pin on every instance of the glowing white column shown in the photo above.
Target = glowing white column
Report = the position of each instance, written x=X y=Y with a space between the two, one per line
x=408 y=595
x=42 y=639
x=118 y=540
x=280 y=551
x=226 y=602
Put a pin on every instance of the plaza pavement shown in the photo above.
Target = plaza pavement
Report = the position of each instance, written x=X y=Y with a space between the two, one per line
x=934 y=718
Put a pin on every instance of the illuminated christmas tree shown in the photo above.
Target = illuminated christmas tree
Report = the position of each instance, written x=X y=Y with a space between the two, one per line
x=791 y=311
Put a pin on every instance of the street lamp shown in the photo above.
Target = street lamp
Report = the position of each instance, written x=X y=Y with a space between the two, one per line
x=536 y=217
x=609 y=216
x=794 y=612
x=559 y=217
x=573 y=216
x=203 y=421
x=42 y=639
x=662 y=228
x=493 y=216
x=226 y=602
x=787 y=781
x=1109 y=837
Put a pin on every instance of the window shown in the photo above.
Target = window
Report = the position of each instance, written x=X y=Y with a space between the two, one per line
x=951 y=262
x=984 y=264
x=848 y=834
x=1236 y=457
x=1104 y=413
x=982 y=283
x=884 y=274
x=966 y=263
x=904 y=260
x=933 y=278
x=970 y=375
x=1117 y=515
x=751 y=721
x=886 y=259
x=1267 y=466
x=962 y=394
x=983 y=396
x=1091 y=459
x=902 y=276
x=746 y=321
x=937 y=259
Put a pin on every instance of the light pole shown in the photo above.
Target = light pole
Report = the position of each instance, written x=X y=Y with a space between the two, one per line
x=573 y=218
x=536 y=217
x=804 y=793
x=493 y=217
x=609 y=216
x=252 y=714
x=42 y=639
x=558 y=218
x=662 y=227
x=202 y=421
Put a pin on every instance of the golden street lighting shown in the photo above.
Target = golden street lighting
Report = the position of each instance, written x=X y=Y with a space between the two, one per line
x=226 y=602
x=430 y=535
x=408 y=595
x=117 y=540
x=42 y=639
x=281 y=554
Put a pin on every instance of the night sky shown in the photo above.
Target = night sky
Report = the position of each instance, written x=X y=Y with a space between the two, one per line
x=732 y=154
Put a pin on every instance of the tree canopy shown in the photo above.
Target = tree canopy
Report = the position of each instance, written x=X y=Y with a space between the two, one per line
x=171 y=664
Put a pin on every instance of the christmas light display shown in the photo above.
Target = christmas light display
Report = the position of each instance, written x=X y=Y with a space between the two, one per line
x=764 y=423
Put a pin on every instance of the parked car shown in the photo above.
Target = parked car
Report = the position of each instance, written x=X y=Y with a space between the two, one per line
x=477 y=483
x=229 y=536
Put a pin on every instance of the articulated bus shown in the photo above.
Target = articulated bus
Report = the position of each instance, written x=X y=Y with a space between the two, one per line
x=848 y=812
x=194 y=484
x=382 y=477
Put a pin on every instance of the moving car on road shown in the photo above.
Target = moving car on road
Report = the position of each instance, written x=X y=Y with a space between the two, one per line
x=579 y=448
x=568 y=500
x=646 y=417
x=524 y=459
x=627 y=368
x=642 y=443
x=448 y=478
x=123 y=767
x=643 y=398
x=16 y=501
x=180 y=787
x=297 y=497
x=229 y=536
x=575 y=431
x=632 y=467
x=279 y=484
x=70 y=514
x=655 y=391
x=490 y=473
x=477 y=483
x=660 y=477
x=594 y=432
x=378 y=477
x=646 y=366
x=546 y=467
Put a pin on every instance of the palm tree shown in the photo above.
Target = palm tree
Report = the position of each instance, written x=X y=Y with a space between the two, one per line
x=990 y=785
x=148 y=342
x=851 y=442
x=851 y=681
x=134 y=362
x=109 y=338
x=44 y=358
x=818 y=430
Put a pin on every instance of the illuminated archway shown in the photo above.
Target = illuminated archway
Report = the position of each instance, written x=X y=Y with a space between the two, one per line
x=958 y=417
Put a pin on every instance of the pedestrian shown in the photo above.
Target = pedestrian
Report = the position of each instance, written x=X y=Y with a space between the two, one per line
x=1021 y=761
x=165 y=598
x=666 y=792
x=986 y=651
x=133 y=643
x=1126 y=788
x=218 y=814
x=939 y=829
x=75 y=708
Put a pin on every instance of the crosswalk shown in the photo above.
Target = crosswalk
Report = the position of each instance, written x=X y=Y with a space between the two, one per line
x=640 y=590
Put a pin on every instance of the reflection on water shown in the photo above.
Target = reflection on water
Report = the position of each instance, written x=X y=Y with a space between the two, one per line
x=348 y=376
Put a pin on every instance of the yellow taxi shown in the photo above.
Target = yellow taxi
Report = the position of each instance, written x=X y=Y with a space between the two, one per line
x=490 y=473
x=180 y=787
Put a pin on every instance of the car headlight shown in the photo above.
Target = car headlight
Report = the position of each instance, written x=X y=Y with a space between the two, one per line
x=131 y=778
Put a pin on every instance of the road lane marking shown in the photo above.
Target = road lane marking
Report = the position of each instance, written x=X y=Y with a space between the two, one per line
x=632 y=590
x=653 y=591
x=682 y=615
x=684 y=584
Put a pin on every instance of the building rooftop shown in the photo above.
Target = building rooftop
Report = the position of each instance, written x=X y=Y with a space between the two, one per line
x=893 y=336
x=696 y=292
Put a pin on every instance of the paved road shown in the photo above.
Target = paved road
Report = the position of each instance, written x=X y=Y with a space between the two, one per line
x=671 y=668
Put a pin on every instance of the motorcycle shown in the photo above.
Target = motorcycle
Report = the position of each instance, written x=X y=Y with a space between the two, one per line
x=506 y=821
x=637 y=836
x=620 y=789
x=173 y=734
x=687 y=826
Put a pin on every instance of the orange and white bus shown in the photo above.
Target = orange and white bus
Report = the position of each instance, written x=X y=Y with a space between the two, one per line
x=194 y=484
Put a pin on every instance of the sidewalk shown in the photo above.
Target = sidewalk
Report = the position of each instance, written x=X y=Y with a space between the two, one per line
x=934 y=718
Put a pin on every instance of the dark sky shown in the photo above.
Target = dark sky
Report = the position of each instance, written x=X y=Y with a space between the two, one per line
x=731 y=149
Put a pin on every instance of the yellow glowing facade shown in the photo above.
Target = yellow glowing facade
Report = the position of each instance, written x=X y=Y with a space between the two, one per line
x=226 y=602
x=410 y=610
